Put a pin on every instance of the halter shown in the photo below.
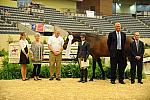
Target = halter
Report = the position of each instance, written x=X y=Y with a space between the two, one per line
x=68 y=50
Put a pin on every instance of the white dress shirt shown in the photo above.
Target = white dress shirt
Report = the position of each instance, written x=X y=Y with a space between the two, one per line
x=118 y=40
x=83 y=42
x=137 y=44
x=56 y=43
x=23 y=44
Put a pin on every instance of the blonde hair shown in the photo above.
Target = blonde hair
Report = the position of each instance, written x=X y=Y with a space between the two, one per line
x=37 y=34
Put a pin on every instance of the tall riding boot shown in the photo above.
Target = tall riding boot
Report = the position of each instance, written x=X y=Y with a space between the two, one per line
x=85 y=74
x=81 y=75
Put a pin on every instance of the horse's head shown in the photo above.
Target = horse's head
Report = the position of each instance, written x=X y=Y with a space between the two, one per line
x=76 y=37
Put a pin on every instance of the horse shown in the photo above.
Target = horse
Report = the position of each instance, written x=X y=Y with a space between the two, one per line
x=98 y=48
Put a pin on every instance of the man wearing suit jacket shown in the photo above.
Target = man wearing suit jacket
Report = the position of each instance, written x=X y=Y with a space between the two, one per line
x=82 y=55
x=137 y=52
x=116 y=45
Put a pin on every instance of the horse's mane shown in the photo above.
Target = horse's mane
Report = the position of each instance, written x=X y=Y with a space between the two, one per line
x=91 y=34
x=95 y=35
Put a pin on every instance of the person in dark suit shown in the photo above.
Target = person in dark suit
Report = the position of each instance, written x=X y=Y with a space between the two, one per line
x=116 y=45
x=137 y=52
x=82 y=55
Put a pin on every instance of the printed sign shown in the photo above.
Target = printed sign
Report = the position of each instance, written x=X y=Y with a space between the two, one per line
x=39 y=27
x=48 y=28
x=14 y=53
x=89 y=13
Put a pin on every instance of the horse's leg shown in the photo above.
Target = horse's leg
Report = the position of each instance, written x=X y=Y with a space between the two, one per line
x=93 y=69
x=101 y=67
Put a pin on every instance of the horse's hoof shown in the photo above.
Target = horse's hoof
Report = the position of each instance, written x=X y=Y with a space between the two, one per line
x=91 y=79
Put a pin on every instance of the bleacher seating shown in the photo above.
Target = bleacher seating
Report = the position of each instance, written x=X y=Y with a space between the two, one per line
x=80 y=24
x=66 y=22
x=6 y=28
x=145 y=19
x=50 y=15
x=101 y=25
x=130 y=23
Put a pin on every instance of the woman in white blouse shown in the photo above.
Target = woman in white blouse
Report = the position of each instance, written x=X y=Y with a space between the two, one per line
x=24 y=54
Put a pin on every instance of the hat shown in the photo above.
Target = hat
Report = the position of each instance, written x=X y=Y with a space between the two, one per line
x=83 y=34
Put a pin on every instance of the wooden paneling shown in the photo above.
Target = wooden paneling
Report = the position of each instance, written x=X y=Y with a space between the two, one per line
x=106 y=7
x=85 y=5
x=101 y=6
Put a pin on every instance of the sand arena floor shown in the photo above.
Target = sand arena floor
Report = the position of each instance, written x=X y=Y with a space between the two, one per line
x=70 y=89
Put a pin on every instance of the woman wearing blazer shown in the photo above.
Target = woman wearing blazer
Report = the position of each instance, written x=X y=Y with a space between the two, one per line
x=82 y=55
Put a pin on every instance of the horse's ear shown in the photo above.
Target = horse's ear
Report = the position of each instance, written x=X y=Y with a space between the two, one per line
x=69 y=32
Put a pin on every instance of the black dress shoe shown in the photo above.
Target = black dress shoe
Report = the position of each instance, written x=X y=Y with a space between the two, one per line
x=122 y=82
x=91 y=79
x=140 y=82
x=132 y=82
x=113 y=82
x=80 y=80
x=51 y=79
x=58 y=79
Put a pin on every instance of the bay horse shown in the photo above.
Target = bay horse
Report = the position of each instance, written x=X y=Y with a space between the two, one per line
x=98 y=48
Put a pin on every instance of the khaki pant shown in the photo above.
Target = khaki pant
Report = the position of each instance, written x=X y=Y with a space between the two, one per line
x=55 y=61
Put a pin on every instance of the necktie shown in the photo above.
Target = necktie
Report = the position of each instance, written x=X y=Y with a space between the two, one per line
x=118 y=41
x=137 y=45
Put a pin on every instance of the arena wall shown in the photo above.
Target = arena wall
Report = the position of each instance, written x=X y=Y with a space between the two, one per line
x=58 y=4
x=9 y=3
x=101 y=6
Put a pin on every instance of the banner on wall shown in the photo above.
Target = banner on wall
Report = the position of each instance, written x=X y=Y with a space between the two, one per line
x=14 y=53
x=23 y=3
x=34 y=27
x=48 y=28
x=40 y=27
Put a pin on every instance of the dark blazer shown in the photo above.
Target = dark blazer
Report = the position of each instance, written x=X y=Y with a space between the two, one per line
x=83 y=50
x=112 y=43
x=134 y=50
